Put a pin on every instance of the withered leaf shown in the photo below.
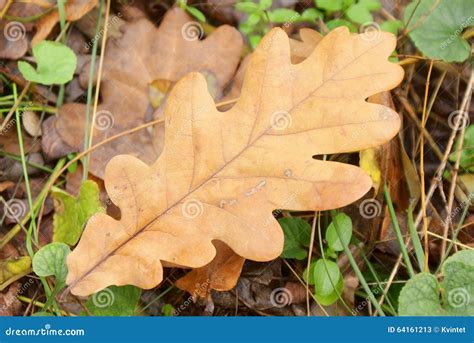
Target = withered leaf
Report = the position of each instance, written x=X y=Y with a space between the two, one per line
x=132 y=63
x=221 y=174
x=223 y=272
x=74 y=10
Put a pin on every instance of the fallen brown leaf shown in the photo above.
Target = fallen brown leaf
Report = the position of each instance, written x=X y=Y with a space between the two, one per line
x=220 y=175
x=74 y=9
x=221 y=274
x=228 y=265
x=132 y=63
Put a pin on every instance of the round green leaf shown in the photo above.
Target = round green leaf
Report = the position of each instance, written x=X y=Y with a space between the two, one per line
x=421 y=294
x=359 y=14
x=297 y=237
x=330 y=5
x=332 y=24
x=326 y=277
x=246 y=7
x=344 y=226
x=283 y=15
x=310 y=14
x=436 y=26
x=50 y=260
x=55 y=62
x=330 y=299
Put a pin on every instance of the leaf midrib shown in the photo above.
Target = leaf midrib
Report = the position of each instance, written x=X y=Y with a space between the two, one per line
x=210 y=177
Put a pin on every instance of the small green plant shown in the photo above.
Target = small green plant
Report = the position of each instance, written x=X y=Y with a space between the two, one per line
x=50 y=260
x=114 y=301
x=260 y=17
x=71 y=213
x=424 y=295
x=297 y=237
x=440 y=28
x=55 y=62
x=183 y=4
x=323 y=273
x=167 y=310
x=355 y=13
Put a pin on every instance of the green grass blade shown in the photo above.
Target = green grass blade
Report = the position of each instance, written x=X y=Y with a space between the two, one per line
x=356 y=269
x=420 y=254
x=398 y=232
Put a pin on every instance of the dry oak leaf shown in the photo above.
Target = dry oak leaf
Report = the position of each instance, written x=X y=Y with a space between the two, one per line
x=74 y=10
x=132 y=63
x=223 y=272
x=221 y=174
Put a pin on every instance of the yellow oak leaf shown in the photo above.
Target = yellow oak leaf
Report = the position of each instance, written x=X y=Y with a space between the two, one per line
x=221 y=174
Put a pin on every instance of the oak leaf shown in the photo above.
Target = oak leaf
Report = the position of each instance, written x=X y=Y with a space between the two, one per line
x=223 y=272
x=74 y=10
x=132 y=63
x=221 y=174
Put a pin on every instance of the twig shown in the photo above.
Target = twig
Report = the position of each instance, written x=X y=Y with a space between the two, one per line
x=422 y=168
x=99 y=77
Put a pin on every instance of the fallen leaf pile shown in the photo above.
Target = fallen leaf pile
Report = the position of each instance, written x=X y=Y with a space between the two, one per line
x=221 y=174
x=134 y=68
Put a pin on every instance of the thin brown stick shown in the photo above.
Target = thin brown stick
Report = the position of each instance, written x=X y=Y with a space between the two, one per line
x=97 y=89
x=422 y=168
x=308 y=264
x=454 y=174
x=15 y=105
